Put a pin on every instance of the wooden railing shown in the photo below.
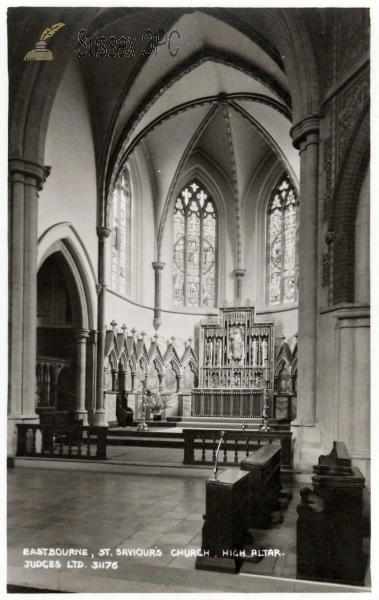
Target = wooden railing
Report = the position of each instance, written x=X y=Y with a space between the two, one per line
x=200 y=445
x=62 y=443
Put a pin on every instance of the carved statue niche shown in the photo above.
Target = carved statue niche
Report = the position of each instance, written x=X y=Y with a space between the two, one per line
x=254 y=348
x=284 y=382
x=209 y=351
x=215 y=379
x=236 y=379
x=218 y=352
x=236 y=345
x=264 y=351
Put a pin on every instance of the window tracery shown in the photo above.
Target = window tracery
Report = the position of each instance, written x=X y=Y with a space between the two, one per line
x=282 y=238
x=195 y=245
x=121 y=235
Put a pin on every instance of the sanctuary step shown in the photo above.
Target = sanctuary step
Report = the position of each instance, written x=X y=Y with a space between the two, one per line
x=225 y=423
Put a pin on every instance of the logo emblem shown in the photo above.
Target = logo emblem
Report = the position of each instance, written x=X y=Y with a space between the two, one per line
x=40 y=52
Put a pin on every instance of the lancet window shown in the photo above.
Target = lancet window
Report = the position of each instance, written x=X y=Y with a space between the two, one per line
x=121 y=235
x=282 y=243
x=195 y=248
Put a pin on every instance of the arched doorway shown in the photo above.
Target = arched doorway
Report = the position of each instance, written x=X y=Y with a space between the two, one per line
x=61 y=339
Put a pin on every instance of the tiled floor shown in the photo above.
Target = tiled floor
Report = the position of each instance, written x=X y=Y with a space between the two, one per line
x=141 y=454
x=123 y=513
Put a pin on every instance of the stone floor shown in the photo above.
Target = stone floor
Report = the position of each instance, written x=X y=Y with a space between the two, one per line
x=143 y=454
x=121 y=513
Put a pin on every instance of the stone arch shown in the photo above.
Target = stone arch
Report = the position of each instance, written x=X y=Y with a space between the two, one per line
x=283 y=31
x=158 y=365
x=344 y=211
x=29 y=118
x=63 y=239
x=286 y=31
x=261 y=187
x=65 y=317
x=123 y=361
x=290 y=36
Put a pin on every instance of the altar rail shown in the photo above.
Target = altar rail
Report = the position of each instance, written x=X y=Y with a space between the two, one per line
x=237 y=443
x=64 y=445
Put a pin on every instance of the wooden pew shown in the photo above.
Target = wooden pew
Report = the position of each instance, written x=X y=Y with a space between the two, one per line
x=264 y=483
x=330 y=526
x=236 y=501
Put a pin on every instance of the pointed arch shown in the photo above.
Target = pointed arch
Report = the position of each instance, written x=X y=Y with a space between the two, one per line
x=195 y=246
x=63 y=239
x=344 y=210
x=282 y=232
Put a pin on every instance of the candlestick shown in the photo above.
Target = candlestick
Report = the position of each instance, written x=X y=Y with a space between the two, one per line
x=143 y=425
x=264 y=426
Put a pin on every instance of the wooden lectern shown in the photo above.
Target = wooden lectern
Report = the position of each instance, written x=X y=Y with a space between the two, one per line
x=226 y=522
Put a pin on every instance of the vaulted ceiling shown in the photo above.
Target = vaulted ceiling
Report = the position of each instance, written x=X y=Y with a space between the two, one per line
x=176 y=105
x=228 y=58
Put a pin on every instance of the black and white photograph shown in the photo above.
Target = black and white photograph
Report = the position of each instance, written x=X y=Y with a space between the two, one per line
x=188 y=293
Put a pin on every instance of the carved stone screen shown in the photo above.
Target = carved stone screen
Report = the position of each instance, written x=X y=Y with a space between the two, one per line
x=236 y=361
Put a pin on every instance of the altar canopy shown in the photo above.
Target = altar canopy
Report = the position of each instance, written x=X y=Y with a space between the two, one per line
x=236 y=359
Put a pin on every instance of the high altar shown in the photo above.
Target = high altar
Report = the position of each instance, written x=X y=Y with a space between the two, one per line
x=236 y=361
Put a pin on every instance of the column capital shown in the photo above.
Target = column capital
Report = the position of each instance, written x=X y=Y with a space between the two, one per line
x=81 y=334
x=158 y=266
x=305 y=127
x=28 y=168
x=103 y=232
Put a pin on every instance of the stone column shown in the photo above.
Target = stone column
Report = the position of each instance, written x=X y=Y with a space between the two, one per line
x=306 y=135
x=158 y=267
x=26 y=178
x=122 y=381
x=238 y=274
x=161 y=381
x=353 y=383
x=100 y=414
x=179 y=382
x=80 y=336
x=133 y=376
x=91 y=366
x=307 y=436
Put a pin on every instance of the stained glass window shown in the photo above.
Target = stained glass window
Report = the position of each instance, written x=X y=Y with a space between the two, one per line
x=282 y=237
x=121 y=235
x=195 y=243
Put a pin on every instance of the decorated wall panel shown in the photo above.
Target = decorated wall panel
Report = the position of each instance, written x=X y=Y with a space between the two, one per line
x=236 y=352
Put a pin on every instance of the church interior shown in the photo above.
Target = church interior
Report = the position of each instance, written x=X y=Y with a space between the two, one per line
x=189 y=299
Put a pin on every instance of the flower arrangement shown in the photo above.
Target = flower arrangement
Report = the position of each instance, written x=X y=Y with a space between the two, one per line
x=156 y=403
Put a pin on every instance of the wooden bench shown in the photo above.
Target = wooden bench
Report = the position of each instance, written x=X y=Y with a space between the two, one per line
x=264 y=483
x=236 y=501
x=330 y=525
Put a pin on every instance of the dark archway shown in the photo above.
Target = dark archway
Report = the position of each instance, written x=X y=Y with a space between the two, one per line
x=60 y=316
